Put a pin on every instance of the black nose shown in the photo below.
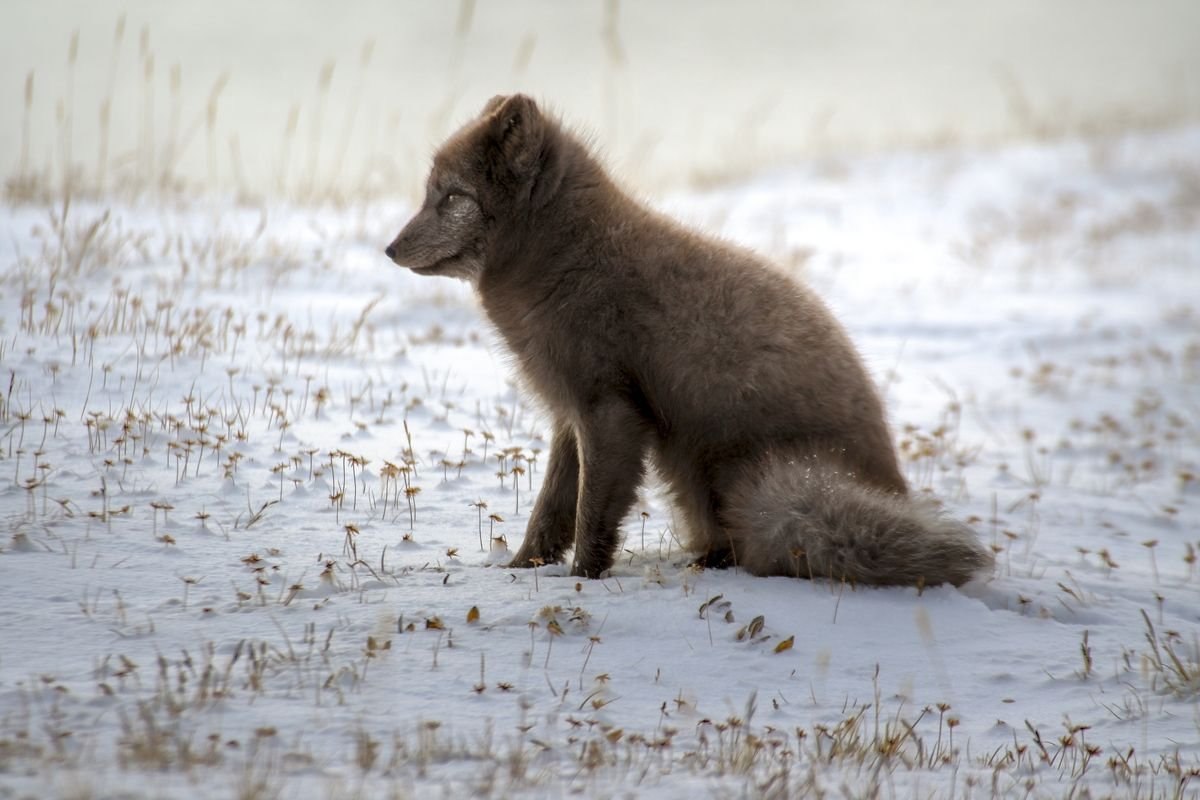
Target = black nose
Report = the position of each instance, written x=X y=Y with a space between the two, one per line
x=390 y=251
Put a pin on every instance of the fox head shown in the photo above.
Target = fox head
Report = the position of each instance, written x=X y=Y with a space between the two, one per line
x=495 y=173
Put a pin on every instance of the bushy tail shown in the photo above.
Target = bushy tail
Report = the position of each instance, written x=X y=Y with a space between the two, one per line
x=805 y=519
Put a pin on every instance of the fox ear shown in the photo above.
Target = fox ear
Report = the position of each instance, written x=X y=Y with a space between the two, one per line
x=493 y=104
x=515 y=127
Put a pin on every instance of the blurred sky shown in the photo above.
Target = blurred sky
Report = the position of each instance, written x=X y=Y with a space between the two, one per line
x=673 y=90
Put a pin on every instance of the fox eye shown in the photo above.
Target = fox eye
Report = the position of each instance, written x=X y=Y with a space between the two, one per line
x=456 y=201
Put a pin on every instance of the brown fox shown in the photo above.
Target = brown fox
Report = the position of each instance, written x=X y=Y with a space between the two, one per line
x=645 y=339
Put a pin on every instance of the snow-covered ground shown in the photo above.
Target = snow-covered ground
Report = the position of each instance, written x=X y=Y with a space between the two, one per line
x=258 y=487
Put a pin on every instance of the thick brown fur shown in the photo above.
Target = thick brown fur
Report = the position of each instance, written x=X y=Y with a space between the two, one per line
x=645 y=339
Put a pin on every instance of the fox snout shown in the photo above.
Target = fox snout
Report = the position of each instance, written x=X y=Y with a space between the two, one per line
x=420 y=244
x=444 y=238
x=412 y=246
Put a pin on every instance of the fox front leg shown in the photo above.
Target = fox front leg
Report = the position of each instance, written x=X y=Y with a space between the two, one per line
x=552 y=525
x=612 y=449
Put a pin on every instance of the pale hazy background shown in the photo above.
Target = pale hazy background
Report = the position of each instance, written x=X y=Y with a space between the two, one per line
x=317 y=99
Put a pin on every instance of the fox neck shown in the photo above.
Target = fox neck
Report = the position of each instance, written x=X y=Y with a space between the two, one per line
x=551 y=236
x=545 y=253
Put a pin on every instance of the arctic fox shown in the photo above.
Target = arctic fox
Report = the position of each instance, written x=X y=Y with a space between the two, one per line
x=643 y=339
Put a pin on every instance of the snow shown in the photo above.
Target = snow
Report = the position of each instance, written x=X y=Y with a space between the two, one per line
x=214 y=581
